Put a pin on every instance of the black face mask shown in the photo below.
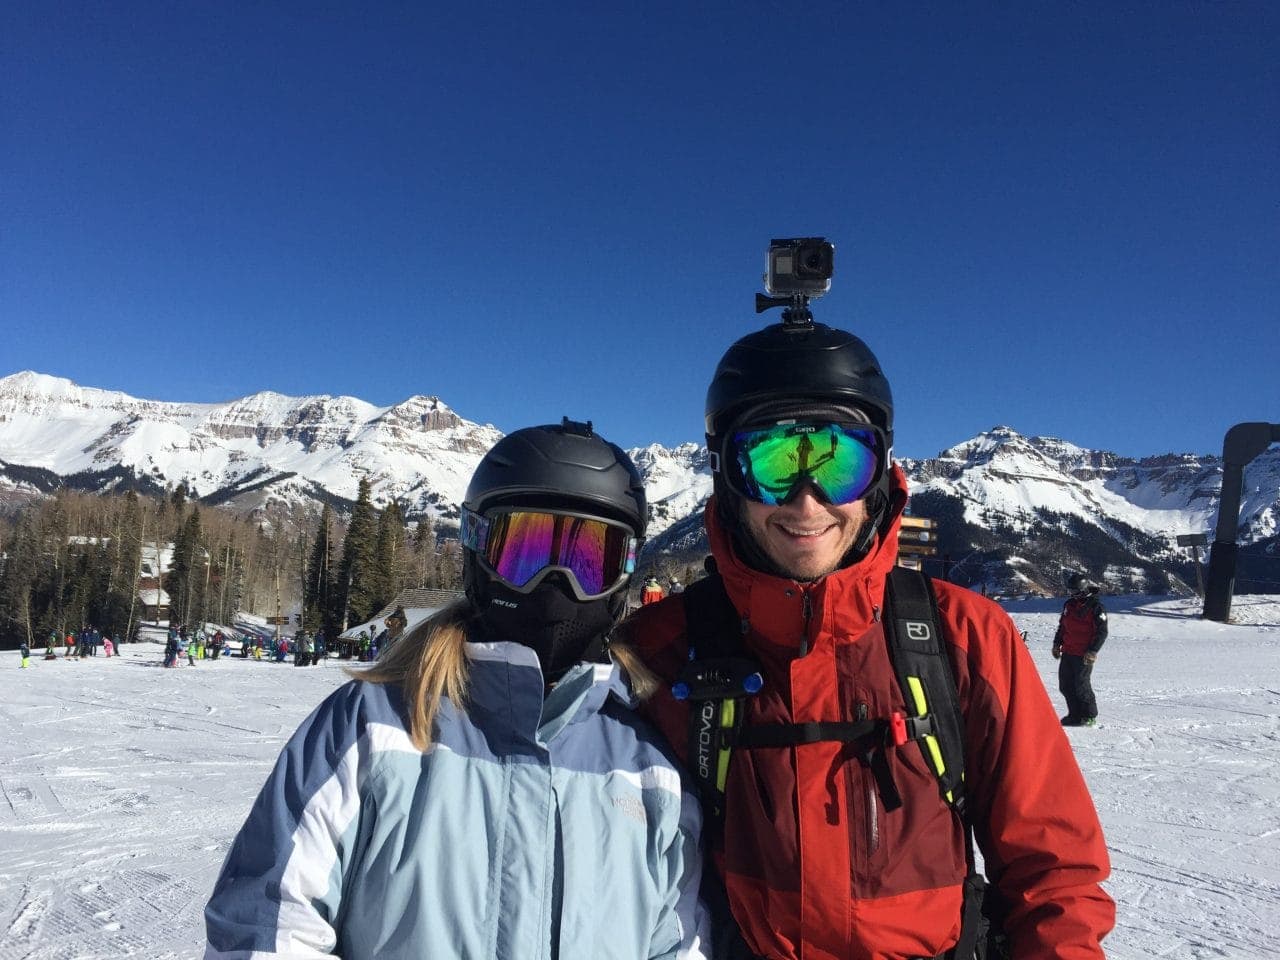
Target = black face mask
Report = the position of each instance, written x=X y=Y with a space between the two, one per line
x=548 y=620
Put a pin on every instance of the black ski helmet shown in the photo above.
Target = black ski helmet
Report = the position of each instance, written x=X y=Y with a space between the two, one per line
x=786 y=363
x=563 y=466
x=797 y=369
x=1079 y=583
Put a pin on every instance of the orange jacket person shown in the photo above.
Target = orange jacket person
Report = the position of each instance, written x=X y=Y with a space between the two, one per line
x=829 y=851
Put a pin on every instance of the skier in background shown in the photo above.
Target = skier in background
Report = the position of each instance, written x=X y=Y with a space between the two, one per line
x=652 y=592
x=25 y=653
x=1082 y=629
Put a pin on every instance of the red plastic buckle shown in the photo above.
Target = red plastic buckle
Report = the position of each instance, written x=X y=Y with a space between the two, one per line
x=898 y=728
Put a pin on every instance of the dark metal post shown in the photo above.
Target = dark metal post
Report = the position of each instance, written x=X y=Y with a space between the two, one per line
x=1242 y=443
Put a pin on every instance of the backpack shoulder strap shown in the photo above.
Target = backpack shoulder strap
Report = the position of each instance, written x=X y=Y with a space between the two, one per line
x=713 y=686
x=914 y=635
x=716 y=680
x=712 y=626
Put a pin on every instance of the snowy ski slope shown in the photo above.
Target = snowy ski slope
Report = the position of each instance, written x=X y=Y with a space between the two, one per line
x=123 y=784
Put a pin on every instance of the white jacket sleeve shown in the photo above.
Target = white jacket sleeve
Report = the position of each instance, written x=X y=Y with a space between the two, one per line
x=280 y=886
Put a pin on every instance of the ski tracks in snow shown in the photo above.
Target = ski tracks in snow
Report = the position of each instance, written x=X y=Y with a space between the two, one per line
x=120 y=791
x=1185 y=772
x=121 y=787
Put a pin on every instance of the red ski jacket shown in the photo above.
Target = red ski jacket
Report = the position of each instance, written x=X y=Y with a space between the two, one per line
x=1082 y=628
x=815 y=867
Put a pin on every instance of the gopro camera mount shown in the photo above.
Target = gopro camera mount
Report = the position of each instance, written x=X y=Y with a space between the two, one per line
x=796 y=271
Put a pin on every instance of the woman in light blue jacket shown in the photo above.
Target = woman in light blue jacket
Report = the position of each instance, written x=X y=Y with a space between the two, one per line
x=485 y=791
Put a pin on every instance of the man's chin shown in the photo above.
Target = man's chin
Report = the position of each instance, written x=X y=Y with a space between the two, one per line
x=802 y=569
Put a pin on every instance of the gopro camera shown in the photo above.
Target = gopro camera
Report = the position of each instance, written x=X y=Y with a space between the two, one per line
x=799 y=267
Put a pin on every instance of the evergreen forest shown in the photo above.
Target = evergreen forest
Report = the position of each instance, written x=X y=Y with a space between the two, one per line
x=107 y=561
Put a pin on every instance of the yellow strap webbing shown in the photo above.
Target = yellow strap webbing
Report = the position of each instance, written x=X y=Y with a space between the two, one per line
x=922 y=709
x=722 y=761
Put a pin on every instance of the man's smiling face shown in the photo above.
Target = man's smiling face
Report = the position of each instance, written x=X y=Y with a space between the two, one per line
x=805 y=537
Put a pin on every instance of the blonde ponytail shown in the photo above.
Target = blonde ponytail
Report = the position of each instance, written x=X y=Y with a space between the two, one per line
x=644 y=682
x=429 y=663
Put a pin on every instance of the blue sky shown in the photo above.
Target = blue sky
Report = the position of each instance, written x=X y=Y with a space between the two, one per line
x=1064 y=217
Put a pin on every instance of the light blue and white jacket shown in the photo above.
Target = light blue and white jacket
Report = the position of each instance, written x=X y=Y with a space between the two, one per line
x=528 y=829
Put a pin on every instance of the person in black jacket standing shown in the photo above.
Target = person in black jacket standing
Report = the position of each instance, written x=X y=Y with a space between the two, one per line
x=1082 y=629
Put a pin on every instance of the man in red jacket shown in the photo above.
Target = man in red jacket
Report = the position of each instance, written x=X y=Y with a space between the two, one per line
x=1082 y=629
x=803 y=526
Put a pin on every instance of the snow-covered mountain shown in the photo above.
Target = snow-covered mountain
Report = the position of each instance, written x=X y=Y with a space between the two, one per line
x=1024 y=509
x=1003 y=476
x=262 y=450
x=1014 y=511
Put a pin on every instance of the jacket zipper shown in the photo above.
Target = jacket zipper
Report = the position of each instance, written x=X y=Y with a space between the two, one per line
x=806 y=609
x=873 y=803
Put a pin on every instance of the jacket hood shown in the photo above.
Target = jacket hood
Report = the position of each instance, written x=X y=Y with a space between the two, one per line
x=843 y=604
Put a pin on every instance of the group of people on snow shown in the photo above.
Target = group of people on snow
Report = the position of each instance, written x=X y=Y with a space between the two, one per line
x=194 y=644
x=737 y=771
x=85 y=642
x=77 y=644
x=653 y=590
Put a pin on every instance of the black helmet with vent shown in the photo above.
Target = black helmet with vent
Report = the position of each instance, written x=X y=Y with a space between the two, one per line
x=785 y=363
x=798 y=370
x=564 y=466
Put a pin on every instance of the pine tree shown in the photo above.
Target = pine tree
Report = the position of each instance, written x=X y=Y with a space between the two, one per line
x=18 y=580
x=357 y=574
x=389 y=555
x=315 y=589
x=320 y=594
x=178 y=499
x=185 y=581
x=423 y=546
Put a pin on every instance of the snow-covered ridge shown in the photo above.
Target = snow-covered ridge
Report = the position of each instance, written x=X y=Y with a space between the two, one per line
x=268 y=449
x=418 y=451
x=1000 y=473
